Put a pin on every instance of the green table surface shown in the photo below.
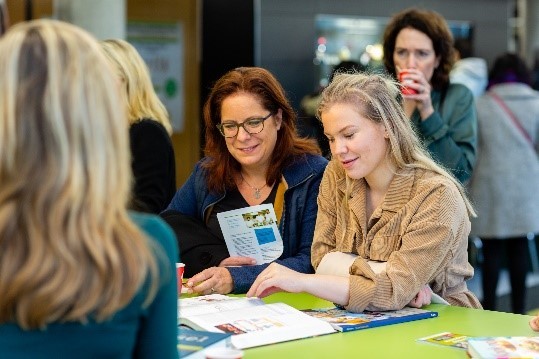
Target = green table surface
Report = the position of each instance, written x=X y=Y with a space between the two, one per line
x=393 y=341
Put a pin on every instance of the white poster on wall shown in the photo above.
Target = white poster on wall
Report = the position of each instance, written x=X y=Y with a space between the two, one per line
x=161 y=46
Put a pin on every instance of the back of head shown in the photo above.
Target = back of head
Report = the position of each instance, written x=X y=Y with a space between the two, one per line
x=464 y=47
x=142 y=101
x=509 y=68
x=262 y=84
x=347 y=66
x=435 y=27
x=65 y=178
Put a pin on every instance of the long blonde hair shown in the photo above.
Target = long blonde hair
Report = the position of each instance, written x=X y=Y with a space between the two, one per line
x=142 y=101
x=377 y=98
x=68 y=248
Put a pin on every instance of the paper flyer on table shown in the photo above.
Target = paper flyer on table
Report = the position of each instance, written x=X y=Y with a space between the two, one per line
x=252 y=232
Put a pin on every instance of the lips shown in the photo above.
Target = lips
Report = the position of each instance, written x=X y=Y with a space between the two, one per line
x=248 y=149
x=348 y=163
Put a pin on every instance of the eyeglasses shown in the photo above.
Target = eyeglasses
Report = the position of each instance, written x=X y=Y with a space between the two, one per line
x=252 y=126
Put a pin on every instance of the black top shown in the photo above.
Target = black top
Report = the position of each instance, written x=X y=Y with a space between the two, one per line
x=153 y=166
x=233 y=200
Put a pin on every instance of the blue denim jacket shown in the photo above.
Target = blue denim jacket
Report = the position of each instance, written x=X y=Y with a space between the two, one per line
x=296 y=226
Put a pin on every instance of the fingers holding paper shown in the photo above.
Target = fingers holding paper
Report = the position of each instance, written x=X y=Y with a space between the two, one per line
x=237 y=261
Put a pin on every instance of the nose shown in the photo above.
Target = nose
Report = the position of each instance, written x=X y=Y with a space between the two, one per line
x=242 y=134
x=338 y=147
x=411 y=61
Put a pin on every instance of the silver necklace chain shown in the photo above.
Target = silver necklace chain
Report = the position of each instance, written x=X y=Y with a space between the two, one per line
x=257 y=190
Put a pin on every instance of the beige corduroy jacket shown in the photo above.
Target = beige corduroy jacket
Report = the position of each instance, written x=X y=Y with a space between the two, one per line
x=420 y=229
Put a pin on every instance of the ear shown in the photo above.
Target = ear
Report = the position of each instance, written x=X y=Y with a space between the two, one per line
x=278 y=118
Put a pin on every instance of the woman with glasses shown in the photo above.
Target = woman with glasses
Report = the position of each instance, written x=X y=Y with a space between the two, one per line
x=253 y=156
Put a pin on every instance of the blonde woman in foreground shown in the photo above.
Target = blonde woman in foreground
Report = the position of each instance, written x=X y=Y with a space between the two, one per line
x=80 y=277
x=390 y=220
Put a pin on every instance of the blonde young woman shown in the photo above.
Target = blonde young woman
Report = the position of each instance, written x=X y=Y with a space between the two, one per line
x=80 y=277
x=390 y=220
x=149 y=131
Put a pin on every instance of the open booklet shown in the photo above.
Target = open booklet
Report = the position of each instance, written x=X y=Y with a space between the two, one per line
x=252 y=232
x=250 y=321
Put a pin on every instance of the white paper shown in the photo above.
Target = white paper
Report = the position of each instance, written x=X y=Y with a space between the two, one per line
x=252 y=232
x=213 y=303
x=261 y=325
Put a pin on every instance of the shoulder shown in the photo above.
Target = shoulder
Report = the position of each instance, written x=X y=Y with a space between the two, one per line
x=156 y=228
x=148 y=128
x=432 y=183
x=458 y=92
x=304 y=166
x=309 y=162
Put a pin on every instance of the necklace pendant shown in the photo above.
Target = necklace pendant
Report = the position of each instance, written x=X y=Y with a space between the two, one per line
x=257 y=193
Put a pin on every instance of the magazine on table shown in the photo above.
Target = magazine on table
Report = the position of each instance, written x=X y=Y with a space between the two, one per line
x=346 y=321
x=192 y=343
x=251 y=322
x=252 y=232
x=503 y=347
x=447 y=339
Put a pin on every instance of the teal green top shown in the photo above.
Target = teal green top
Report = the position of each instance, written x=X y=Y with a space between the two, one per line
x=450 y=133
x=133 y=332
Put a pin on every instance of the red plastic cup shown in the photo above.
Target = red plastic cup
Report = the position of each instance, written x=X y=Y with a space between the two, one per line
x=406 y=90
x=180 y=268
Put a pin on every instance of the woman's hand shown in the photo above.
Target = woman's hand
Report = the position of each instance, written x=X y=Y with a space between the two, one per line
x=276 y=278
x=237 y=261
x=421 y=100
x=211 y=280
x=422 y=298
x=534 y=323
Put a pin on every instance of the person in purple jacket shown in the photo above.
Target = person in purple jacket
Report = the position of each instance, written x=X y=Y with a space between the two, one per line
x=253 y=156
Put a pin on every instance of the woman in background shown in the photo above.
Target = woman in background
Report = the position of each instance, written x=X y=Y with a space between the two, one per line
x=80 y=277
x=153 y=160
x=505 y=186
x=418 y=49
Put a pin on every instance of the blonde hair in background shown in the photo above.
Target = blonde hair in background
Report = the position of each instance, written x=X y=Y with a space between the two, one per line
x=375 y=97
x=68 y=248
x=142 y=101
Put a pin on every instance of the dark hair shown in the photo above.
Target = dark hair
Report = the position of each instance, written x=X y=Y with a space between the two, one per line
x=509 y=67
x=268 y=90
x=464 y=47
x=435 y=27
x=346 y=67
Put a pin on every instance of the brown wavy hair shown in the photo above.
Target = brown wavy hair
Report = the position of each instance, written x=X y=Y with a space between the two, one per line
x=435 y=27
x=261 y=83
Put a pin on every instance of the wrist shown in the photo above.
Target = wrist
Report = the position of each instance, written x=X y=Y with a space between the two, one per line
x=426 y=112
